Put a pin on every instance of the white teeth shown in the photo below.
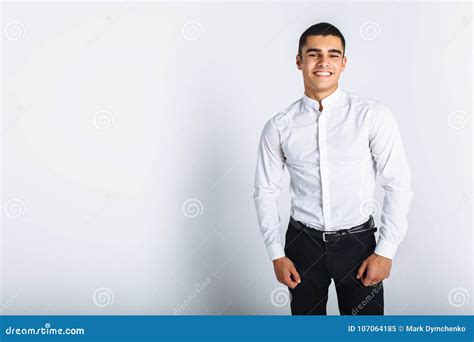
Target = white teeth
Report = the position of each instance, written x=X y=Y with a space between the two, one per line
x=323 y=73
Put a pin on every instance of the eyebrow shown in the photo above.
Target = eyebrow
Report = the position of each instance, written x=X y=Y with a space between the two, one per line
x=319 y=50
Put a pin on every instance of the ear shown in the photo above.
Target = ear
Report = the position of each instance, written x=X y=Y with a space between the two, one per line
x=344 y=62
x=298 y=62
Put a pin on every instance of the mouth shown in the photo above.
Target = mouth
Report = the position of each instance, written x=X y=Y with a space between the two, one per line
x=323 y=74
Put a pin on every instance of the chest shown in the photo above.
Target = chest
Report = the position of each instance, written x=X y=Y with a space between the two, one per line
x=339 y=137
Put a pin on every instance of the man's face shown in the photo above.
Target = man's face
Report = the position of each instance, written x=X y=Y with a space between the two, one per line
x=321 y=54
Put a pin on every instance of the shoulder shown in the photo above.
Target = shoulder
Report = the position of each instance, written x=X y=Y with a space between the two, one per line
x=368 y=103
x=372 y=109
x=280 y=120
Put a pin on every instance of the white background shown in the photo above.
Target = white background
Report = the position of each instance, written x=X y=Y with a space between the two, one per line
x=129 y=142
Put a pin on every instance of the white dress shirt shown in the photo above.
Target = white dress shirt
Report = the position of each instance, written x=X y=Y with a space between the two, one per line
x=333 y=157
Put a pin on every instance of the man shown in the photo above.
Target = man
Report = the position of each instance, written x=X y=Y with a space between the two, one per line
x=333 y=143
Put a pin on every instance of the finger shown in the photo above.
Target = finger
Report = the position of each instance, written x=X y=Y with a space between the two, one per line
x=367 y=281
x=295 y=274
x=375 y=281
x=289 y=282
x=369 y=276
x=361 y=270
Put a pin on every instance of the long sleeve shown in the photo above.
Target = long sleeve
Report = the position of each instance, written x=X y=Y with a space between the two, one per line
x=392 y=166
x=268 y=178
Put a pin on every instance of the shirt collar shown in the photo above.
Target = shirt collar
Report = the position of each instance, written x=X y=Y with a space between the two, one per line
x=331 y=98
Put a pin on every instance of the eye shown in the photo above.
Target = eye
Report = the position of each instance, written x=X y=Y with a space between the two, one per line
x=334 y=56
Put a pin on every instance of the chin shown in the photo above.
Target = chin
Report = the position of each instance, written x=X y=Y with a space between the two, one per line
x=322 y=86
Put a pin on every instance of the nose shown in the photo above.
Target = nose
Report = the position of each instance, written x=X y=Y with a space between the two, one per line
x=323 y=61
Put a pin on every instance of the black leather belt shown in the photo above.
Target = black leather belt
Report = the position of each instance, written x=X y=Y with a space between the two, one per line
x=336 y=235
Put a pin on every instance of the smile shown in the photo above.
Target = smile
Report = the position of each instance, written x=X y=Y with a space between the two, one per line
x=323 y=73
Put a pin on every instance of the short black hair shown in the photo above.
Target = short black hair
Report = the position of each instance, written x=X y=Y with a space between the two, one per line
x=320 y=29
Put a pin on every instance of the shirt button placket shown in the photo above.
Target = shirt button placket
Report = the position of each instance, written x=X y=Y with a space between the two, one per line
x=323 y=167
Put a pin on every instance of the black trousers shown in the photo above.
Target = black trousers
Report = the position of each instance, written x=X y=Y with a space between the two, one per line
x=318 y=262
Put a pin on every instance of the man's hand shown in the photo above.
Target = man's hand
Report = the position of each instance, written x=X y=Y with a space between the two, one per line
x=374 y=269
x=284 y=269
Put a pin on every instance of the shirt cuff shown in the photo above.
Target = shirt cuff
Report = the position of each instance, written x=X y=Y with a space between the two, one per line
x=386 y=248
x=275 y=251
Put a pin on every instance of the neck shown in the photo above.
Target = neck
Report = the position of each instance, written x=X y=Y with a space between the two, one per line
x=319 y=95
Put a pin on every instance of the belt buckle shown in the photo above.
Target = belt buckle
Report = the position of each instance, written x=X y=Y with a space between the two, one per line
x=324 y=236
